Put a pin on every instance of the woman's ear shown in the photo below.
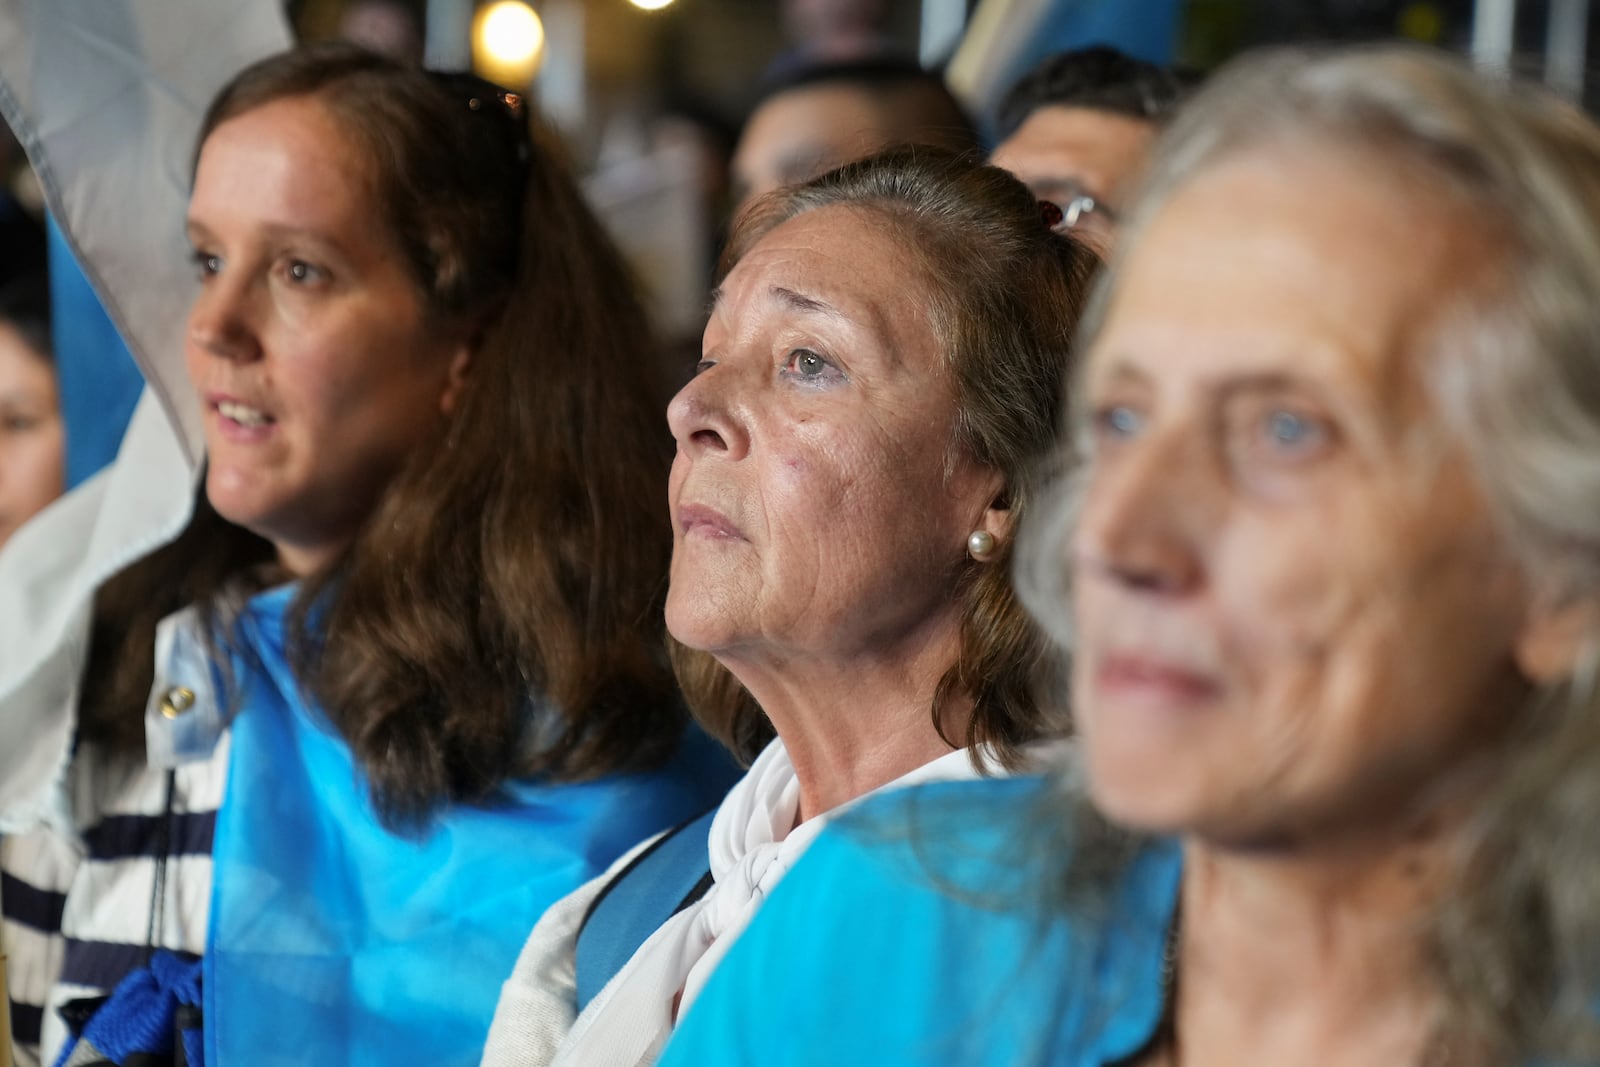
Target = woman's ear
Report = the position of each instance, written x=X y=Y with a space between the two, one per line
x=994 y=526
x=1553 y=638
x=998 y=516
x=455 y=379
x=475 y=328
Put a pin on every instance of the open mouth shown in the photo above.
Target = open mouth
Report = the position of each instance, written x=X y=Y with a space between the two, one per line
x=243 y=414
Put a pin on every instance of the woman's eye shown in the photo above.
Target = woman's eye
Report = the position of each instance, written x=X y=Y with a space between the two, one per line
x=1117 y=422
x=206 y=264
x=807 y=365
x=704 y=365
x=303 y=273
x=1267 y=435
x=18 y=423
x=1290 y=431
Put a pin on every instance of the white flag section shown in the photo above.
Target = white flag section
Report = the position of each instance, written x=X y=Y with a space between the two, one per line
x=106 y=97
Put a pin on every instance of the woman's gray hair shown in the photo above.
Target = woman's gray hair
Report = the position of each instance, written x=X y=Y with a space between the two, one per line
x=1517 y=381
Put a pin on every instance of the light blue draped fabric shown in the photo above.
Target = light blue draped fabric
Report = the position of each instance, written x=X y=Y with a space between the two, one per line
x=333 y=940
x=98 y=381
x=923 y=928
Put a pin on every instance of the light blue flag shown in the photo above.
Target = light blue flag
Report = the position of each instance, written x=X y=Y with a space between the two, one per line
x=99 y=382
x=333 y=940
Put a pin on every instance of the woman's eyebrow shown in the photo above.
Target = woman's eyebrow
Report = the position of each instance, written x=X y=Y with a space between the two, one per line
x=789 y=298
x=807 y=304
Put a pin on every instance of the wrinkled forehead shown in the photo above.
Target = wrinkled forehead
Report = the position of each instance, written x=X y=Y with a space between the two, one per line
x=1319 y=260
x=853 y=255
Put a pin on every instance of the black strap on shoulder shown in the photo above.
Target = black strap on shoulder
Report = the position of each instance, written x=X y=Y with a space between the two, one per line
x=662 y=880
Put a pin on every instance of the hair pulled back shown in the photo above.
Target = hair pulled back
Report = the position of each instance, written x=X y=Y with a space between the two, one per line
x=1004 y=293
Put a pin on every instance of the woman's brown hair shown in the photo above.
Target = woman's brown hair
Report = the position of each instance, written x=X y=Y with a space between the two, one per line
x=1006 y=292
x=499 y=614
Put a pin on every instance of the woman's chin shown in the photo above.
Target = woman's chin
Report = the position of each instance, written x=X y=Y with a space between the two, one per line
x=692 y=626
x=241 y=503
x=1137 y=816
x=1139 y=796
x=237 y=507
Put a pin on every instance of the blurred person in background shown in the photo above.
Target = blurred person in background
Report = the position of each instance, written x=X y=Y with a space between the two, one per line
x=1333 y=799
x=32 y=439
x=825 y=32
x=693 y=126
x=690 y=131
x=400 y=683
x=876 y=389
x=822 y=116
x=389 y=27
x=1077 y=129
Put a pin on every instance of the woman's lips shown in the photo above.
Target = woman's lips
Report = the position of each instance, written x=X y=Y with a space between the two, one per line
x=697 y=520
x=1149 y=679
x=238 y=421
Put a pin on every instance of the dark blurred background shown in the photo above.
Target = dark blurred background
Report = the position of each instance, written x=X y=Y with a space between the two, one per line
x=711 y=54
x=650 y=94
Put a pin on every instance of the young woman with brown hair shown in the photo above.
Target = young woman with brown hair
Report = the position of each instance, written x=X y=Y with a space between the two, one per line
x=408 y=683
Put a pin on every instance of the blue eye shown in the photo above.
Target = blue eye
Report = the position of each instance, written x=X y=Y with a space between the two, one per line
x=1286 y=429
x=808 y=366
x=1118 y=421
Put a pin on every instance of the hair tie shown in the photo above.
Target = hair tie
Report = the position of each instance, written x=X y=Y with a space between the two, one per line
x=1050 y=215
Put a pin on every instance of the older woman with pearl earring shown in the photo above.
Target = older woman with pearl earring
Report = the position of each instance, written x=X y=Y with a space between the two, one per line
x=854 y=452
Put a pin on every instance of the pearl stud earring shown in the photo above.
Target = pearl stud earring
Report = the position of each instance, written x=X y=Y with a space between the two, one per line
x=980 y=545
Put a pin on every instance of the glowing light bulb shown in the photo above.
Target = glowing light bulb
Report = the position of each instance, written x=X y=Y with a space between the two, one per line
x=509 y=41
x=650 y=5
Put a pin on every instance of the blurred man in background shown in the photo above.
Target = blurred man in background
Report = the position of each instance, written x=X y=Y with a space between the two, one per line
x=833 y=31
x=1077 y=129
x=822 y=116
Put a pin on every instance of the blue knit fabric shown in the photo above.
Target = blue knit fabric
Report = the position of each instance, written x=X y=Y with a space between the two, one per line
x=141 y=1015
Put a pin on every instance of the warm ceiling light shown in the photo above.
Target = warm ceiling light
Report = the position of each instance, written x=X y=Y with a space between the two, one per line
x=650 y=5
x=509 y=41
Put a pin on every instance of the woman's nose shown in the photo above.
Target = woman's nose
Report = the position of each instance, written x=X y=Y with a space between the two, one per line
x=1144 y=517
x=709 y=414
x=221 y=321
